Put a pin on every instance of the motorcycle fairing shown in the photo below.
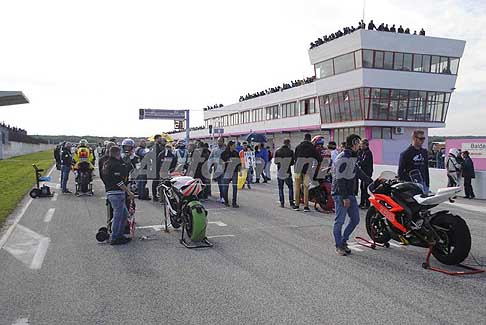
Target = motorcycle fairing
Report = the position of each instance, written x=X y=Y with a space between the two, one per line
x=442 y=195
x=388 y=213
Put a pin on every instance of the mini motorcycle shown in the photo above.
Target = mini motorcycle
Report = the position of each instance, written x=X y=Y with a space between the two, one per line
x=401 y=211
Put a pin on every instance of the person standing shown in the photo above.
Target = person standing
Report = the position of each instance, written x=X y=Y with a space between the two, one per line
x=468 y=174
x=415 y=158
x=57 y=155
x=216 y=166
x=345 y=171
x=305 y=156
x=453 y=168
x=66 y=164
x=140 y=152
x=365 y=161
x=268 y=164
x=158 y=147
x=284 y=159
x=115 y=177
x=266 y=167
x=232 y=166
x=247 y=158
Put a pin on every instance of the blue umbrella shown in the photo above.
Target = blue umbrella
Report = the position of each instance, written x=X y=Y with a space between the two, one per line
x=256 y=137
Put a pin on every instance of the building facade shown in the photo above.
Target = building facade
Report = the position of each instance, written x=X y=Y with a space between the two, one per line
x=380 y=85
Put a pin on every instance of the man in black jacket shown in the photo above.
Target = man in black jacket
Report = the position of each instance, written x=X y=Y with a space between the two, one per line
x=232 y=166
x=158 y=147
x=468 y=174
x=305 y=156
x=365 y=162
x=284 y=158
x=115 y=175
x=66 y=164
x=415 y=158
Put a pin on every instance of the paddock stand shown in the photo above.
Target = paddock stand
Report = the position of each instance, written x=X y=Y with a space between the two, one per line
x=370 y=244
x=202 y=244
x=470 y=270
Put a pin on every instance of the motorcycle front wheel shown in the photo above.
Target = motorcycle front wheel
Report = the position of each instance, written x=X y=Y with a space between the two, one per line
x=376 y=226
x=454 y=241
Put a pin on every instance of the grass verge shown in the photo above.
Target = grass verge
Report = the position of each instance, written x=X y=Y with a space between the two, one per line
x=17 y=177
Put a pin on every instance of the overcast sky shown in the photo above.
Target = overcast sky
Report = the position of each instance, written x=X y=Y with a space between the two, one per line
x=88 y=66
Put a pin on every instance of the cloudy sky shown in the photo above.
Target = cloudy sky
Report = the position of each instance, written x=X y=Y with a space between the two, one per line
x=88 y=66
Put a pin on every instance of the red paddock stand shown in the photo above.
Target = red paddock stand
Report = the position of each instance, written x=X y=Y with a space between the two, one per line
x=370 y=244
x=470 y=269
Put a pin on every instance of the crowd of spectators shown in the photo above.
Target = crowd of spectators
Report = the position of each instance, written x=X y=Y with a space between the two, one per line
x=361 y=25
x=20 y=135
x=292 y=84
x=208 y=108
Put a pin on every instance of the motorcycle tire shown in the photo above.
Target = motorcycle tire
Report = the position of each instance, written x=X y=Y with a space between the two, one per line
x=457 y=239
x=175 y=222
x=34 y=193
x=375 y=226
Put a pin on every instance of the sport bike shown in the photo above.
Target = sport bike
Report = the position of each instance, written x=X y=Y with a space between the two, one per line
x=402 y=211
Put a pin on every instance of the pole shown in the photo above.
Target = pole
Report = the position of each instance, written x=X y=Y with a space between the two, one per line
x=364 y=5
x=187 y=127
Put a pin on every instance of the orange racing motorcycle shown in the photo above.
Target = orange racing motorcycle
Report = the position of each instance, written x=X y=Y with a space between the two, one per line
x=401 y=211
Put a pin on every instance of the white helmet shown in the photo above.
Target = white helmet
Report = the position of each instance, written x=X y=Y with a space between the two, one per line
x=454 y=152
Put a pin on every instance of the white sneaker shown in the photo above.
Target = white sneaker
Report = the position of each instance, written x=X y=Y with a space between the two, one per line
x=221 y=200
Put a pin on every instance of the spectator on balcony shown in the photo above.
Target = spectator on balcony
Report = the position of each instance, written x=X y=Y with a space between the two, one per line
x=400 y=30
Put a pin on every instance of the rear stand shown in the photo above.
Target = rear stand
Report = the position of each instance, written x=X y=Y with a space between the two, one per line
x=202 y=244
x=471 y=270
x=370 y=244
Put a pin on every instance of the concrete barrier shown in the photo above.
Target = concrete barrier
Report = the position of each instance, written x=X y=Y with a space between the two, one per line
x=12 y=149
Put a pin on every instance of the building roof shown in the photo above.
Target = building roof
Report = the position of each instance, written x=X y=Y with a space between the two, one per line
x=12 y=98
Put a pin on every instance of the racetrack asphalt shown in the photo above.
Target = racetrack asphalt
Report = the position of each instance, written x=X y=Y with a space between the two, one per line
x=269 y=265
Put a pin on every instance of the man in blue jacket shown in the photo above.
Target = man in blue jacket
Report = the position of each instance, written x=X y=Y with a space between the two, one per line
x=415 y=158
x=265 y=157
x=344 y=172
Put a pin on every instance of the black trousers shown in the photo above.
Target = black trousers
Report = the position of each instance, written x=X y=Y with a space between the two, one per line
x=468 y=189
x=155 y=184
x=363 y=186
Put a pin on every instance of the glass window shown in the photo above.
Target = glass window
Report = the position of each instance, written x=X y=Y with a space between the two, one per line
x=268 y=113
x=434 y=65
x=367 y=58
x=383 y=108
x=344 y=63
x=358 y=60
x=407 y=62
x=426 y=63
x=376 y=133
x=398 y=62
x=388 y=64
x=324 y=69
x=379 y=59
x=454 y=65
x=417 y=62
x=445 y=65
x=386 y=133
x=402 y=106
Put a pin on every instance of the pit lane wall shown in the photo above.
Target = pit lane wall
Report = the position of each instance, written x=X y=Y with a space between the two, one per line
x=13 y=149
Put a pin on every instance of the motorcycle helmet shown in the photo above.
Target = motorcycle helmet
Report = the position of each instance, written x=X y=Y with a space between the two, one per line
x=83 y=143
x=454 y=152
x=105 y=143
x=127 y=145
x=318 y=140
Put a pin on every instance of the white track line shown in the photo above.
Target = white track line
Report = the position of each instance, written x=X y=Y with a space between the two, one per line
x=54 y=197
x=220 y=236
x=218 y=223
x=49 y=214
x=40 y=254
x=354 y=248
x=15 y=223
x=21 y=321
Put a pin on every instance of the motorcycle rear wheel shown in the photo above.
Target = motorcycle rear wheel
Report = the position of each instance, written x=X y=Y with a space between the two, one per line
x=376 y=227
x=455 y=239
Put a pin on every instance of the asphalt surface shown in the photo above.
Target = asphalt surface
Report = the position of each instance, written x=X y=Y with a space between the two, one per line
x=269 y=265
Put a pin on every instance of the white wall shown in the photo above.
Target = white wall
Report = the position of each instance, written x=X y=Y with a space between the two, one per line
x=13 y=149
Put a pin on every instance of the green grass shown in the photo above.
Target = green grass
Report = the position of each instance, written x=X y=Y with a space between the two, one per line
x=17 y=178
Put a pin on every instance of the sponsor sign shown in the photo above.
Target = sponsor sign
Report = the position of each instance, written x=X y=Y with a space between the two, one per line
x=476 y=149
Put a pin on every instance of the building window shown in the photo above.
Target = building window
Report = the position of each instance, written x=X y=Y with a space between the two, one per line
x=388 y=61
x=344 y=63
x=407 y=62
x=367 y=58
x=324 y=69
x=398 y=61
x=381 y=133
x=288 y=110
x=379 y=55
x=358 y=59
x=308 y=106
x=340 y=135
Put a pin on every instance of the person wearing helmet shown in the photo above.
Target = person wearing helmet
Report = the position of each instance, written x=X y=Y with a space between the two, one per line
x=415 y=158
x=83 y=154
x=453 y=168
x=181 y=155
x=128 y=152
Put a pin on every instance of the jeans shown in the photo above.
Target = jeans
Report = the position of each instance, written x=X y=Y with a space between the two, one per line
x=120 y=213
x=65 y=169
x=364 y=194
x=221 y=186
x=141 y=182
x=290 y=184
x=266 y=170
x=226 y=182
x=353 y=212
x=249 y=176
x=304 y=180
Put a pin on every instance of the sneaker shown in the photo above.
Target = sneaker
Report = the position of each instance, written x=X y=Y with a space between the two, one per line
x=282 y=205
x=221 y=200
x=155 y=198
x=295 y=208
x=472 y=197
x=306 y=209
x=235 y=205
x=346 y=248
x=249 y=187
x=120 y=241
x=340 y=251
x=265 y=181
x=257 y=181
x=67 y=192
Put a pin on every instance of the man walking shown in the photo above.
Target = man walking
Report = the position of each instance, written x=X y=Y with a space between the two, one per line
x=468 y=174
x=66 y=164
x=415 y=158
x=305 y=156
x=345 y=171
x=232 y=167
x=365 y=161
x=284 y=158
